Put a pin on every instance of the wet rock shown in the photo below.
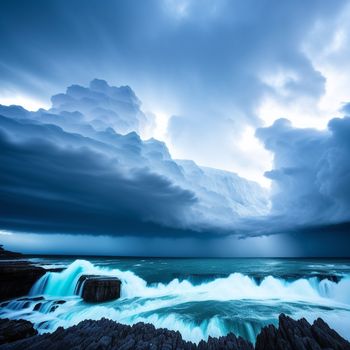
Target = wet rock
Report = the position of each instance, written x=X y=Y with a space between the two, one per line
x=17 y=278
x=53 y=308
x=37 y=306
x=11 y=331
x=109 y=335
x=99 y=288
x=300 y=335
x=32 y=298
x=106 y=334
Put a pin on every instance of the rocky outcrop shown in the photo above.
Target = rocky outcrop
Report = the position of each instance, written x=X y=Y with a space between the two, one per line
x=93 y=288
x=11 y=331
x=17 y=278
x=6 y=254
x=109 y=335
x=300 y=335
x=106 y=334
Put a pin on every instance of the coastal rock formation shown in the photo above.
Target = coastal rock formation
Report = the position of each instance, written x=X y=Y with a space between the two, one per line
x=300 y=335
x=11 y=331
x=105 y=334
x=95 y=288
x=17 y=278
x=5 y=254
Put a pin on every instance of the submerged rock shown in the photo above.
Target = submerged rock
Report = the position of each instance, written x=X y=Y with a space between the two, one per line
x=95 y=288
x=300 y=335
x=11 y=330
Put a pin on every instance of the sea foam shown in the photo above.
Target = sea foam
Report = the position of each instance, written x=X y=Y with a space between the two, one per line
x=236 y=303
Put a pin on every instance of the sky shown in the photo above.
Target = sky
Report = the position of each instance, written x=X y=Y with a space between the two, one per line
x=113 y=94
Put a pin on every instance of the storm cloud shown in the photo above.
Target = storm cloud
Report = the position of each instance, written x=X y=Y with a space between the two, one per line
x=208 y=65
x=47 y=188
x=68 y=170
x=311 y=174
x=189 y=83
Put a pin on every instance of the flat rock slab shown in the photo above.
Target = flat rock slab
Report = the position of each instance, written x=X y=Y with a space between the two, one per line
x=93 y=288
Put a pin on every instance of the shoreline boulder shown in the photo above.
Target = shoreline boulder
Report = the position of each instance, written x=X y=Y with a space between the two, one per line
x=94 y=288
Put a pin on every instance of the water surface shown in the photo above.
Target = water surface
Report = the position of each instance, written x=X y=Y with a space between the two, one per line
x=198 y=297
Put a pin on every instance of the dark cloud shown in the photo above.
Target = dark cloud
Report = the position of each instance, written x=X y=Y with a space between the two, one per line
x=69 y=169
x=102 y=182
x=88 y=118
x=202 y=61
x=96 y=182
x=311 y=174
x=50 y=188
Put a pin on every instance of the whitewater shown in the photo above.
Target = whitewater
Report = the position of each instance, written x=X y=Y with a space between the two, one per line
x=198 y=306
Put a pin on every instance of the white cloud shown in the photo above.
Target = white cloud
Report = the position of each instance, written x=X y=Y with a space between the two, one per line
x=8 y=98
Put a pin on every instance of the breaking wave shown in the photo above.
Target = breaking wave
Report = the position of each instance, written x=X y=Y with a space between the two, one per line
x=235 y=303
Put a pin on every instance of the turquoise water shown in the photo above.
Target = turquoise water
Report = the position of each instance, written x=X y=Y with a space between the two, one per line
x=198 y=297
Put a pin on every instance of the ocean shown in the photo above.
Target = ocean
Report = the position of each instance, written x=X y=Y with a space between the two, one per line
x=197 y=297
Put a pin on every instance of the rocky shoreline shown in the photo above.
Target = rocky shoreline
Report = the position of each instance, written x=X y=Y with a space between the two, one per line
x=109 y=335
x=106 y=334
x=14 y=268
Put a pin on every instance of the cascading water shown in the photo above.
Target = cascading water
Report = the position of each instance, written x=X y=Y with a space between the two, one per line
x=235 y=303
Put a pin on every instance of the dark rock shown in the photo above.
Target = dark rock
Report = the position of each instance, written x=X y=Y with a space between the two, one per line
x=106 y=334
x=99 y=288
x=55 y=269
x=11 y=330
x=291 y=277
x=53 y=308
x=40 y=298
x=37 y=306
x=109 y=335
x=300 y=335
x=17 y=278
x=5 y=254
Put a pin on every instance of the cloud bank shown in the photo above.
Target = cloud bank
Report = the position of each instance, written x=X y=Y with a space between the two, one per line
x=311 y=173
x=210 y=65
x=66 y=170
x=47 y=188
